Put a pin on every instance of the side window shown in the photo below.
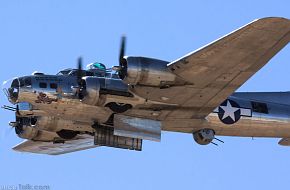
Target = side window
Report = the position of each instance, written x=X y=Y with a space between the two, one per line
x=53 y=85
x=42 y=85
x=260 y=107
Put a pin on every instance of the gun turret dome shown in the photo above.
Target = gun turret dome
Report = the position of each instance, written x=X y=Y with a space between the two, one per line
x=96 y=66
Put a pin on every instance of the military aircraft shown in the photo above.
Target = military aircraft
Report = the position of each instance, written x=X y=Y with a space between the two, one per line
x=79 y=109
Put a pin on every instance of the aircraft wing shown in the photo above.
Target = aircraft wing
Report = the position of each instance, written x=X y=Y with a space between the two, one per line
x=82 y=142
x=215 y=71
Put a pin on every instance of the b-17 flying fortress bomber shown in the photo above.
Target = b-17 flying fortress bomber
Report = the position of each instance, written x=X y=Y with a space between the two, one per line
x=120 y=107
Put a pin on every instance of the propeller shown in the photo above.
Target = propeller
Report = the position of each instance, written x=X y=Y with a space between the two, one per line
x=80 y=75
x=79 y=71
x=122 y=51
x=122 y=68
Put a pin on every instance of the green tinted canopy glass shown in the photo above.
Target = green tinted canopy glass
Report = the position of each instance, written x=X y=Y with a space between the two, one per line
x=97 y=65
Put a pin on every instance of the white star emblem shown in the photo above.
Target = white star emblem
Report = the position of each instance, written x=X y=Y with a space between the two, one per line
x=229 y=111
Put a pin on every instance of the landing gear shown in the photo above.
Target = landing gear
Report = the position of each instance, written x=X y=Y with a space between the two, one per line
x=205 y=136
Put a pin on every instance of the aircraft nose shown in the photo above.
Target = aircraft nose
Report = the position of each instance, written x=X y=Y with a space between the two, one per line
x=11 y=89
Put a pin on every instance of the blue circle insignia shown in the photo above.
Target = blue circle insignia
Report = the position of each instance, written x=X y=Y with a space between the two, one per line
x=229 y=112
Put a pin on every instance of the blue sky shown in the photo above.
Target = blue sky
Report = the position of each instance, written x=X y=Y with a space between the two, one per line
x=49 y=35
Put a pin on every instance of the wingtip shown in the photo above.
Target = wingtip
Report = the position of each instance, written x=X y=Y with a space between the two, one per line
x=274 y=24
x=273 y=19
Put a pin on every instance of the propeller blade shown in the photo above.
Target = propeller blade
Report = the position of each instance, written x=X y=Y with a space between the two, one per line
x=80 y=63
x=80 y=68
x=122 y=68
x=17 y=110
x=80 y=75
x=122 y=51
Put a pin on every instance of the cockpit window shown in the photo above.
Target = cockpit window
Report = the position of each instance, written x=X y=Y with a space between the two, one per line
x=64 y=72
x=94 y=69
x=84 y=73
x=24 y=81
x=74 y=73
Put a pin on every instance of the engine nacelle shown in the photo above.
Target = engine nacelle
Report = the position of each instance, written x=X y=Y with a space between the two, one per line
x=204 y=136
x=25 y=129
x=91 y=91
x=146 y=71
x=26 y=132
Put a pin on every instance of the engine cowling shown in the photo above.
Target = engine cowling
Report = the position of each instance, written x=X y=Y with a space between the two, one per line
x=91 y=91
x=26 y=132
x=25 y=129
x=146 y=71
x=204 y=136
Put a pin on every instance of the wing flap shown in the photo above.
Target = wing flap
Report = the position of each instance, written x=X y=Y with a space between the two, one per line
x=82 y=142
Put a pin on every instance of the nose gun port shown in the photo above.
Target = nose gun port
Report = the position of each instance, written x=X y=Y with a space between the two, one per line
x=11 y=89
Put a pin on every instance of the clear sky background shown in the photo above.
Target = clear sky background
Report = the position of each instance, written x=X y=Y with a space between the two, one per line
x=49 y=35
